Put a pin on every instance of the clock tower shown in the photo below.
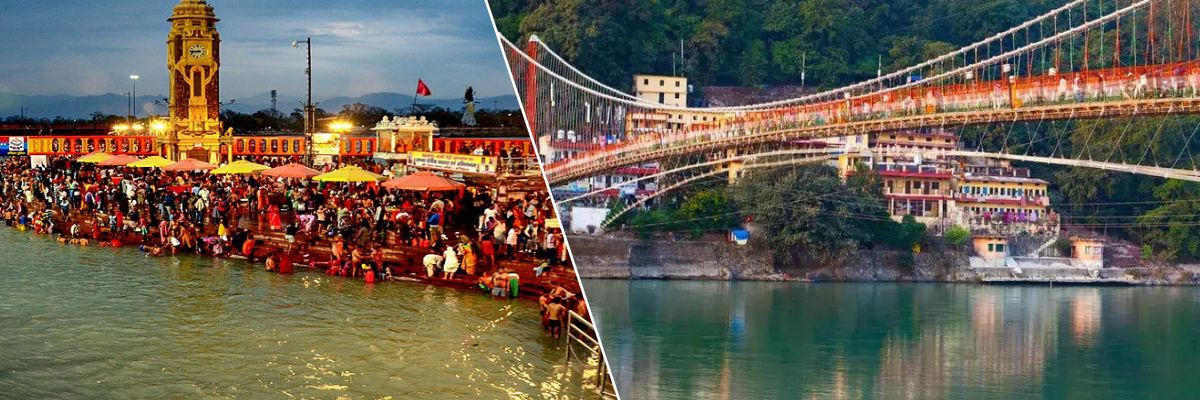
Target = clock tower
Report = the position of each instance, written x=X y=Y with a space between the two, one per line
x=194 y=63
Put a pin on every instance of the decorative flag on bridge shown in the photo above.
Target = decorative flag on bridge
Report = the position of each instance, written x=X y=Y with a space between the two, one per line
x=422 y=90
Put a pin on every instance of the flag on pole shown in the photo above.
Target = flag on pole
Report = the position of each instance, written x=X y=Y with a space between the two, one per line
x=422 y=90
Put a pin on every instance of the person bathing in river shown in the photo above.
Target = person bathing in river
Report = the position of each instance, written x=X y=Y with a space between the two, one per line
x=499 y=283
x=450 y=265
x=272 y=263
x=431 y=262
x=555 y=313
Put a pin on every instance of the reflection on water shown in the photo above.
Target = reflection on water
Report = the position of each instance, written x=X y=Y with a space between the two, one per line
x=109 y=323
x=722 y=340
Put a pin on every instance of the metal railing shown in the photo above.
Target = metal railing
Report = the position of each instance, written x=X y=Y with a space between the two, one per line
x=583 y=347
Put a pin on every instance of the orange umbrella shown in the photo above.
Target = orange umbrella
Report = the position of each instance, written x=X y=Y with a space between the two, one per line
x=292 y=170
x=423 y=181
x=189 y=164
x=118 y=160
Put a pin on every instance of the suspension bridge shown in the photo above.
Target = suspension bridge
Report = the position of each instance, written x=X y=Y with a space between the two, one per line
x=1115 y=60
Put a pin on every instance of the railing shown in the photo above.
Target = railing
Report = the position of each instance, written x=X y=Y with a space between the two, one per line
x=583 y=347
x=519 y=166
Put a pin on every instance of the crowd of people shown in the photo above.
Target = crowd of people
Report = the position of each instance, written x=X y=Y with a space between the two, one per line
x=343 y=229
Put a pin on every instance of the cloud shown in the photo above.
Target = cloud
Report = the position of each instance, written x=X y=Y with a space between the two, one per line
x=344 y=30
x=359 y=47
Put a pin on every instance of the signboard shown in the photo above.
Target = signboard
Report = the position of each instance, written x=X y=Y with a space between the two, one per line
x=13 y=146
x=327 y=144
x=464 y=163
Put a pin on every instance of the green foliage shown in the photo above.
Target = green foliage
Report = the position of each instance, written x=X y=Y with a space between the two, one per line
x=1171 y=228
x=1063 y=245
x=646 y=223
x=756 y=42
x=839 y=42
x=910 y=232
x=1147 y=252
x=957 y=235
x=809 y=209
x=707 y=210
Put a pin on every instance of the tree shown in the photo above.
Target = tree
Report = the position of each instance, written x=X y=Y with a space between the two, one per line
x=362 y=114
x=1170 y=228
x=809 y=209
x=707 y=210
x=957 y=236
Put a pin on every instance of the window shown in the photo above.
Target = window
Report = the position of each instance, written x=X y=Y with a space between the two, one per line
x=676 y=95
x=676 y=83
x=999 y=247
x=645 y=81
x=662 y=98
x=253 y=146
x=662 y=82
x=197 y=83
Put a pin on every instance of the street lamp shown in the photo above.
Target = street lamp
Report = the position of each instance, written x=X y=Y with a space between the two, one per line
x=340 y=126
x=133 y=95
x=309 y=113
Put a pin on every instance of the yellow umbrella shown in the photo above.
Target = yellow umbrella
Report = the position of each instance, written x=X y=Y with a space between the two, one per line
x=94 y=157
x=150 y=162
x=239 y=167
x=349 y=174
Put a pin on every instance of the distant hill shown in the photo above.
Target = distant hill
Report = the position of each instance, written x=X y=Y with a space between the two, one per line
x=68 y=106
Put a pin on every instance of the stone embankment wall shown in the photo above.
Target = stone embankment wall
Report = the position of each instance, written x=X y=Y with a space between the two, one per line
x=617 y=257
x=621 y=257
x=625 y=257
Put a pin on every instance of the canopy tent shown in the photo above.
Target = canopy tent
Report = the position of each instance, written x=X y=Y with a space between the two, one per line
x=117 y=161
x=349 y=174
x=151 y=162
x=240 y=167
x=293 y=170
x=94 y=157
x=189 y=164
x=423 y=182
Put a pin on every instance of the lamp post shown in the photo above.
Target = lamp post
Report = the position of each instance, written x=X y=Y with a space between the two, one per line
x=309 y=113
x=133 y=95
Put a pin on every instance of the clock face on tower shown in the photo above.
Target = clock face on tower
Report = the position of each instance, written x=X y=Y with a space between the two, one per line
x=197 y=51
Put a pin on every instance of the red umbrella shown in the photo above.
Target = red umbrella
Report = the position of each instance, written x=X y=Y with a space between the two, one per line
x=292 y=170
x=423 y=181
x=189 y=164
x=119 y=160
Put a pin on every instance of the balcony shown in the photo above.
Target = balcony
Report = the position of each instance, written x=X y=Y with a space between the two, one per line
x=912 y=171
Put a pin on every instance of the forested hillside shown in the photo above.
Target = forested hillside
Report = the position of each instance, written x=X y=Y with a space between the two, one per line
x=756 y=42
x=838 y=42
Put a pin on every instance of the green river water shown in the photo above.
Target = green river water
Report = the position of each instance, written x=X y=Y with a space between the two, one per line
x=104 y=323
x=757 y=340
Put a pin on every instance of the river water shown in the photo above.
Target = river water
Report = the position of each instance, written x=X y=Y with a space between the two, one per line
x=109 y=323
x=752 y=340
